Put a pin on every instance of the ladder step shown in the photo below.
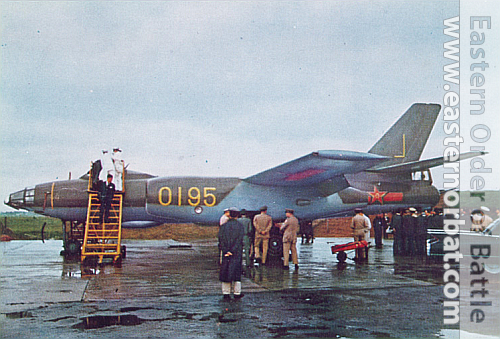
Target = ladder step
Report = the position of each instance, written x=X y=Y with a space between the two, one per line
x=111 y=246
x=101 y=233
x=101 y=252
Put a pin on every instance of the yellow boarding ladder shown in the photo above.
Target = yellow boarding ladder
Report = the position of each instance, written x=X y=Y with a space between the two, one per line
x=103 y=239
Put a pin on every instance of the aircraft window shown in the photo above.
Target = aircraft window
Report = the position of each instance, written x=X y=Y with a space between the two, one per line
x=30 y=196
x=421 y=176
x=18 y=196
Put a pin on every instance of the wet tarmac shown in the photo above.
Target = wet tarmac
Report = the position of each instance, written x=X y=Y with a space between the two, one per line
x=165 y=290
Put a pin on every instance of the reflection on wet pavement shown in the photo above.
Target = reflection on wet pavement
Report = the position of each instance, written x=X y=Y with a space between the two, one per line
x=157 y=269
x=319 y=268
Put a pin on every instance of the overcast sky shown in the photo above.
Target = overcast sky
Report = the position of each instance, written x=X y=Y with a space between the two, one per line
x=208 y=88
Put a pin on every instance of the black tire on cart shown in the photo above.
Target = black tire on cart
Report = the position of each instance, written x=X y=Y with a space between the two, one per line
x=341 y=256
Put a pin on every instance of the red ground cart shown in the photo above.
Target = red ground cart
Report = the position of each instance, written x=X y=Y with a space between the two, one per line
x=354 y=245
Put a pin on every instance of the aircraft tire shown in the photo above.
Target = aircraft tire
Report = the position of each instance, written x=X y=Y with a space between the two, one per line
x=275 y=249
x=124 y=251
x=72 y=248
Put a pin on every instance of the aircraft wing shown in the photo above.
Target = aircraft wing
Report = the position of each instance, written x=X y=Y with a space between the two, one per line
x=315 y=168
x=421 y=165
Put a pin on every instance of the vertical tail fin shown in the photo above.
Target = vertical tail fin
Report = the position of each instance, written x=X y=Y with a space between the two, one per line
x=406 y=139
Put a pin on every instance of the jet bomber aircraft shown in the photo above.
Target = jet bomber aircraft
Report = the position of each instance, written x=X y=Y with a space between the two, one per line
x=322 y=184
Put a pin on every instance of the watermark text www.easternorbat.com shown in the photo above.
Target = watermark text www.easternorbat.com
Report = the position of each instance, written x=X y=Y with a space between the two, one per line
x=479 y=133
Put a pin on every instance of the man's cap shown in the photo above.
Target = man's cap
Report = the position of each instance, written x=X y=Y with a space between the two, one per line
x=358 y=210
x=243 y=211
x=263 y=208
x=288 y=210
x=412 y=209
x=234 y=212
x=110 y=175
x=226 y=210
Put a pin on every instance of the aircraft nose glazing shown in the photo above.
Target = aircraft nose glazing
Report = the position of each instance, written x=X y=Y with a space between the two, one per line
x=22 y=198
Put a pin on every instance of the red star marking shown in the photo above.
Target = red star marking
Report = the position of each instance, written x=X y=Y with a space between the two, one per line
x=376 y=196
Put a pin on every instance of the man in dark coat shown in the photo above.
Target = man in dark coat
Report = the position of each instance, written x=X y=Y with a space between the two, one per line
x=396 y=225
x=231 y=245
x=410 y=224
x=421 y=236
x=106 y=198
x=96 y=169
x=248 y=237
x=379 y=225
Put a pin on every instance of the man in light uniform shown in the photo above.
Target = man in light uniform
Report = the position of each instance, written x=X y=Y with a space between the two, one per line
x=290 y=228
x=224 y=218
x=118 y=167
x=360 y=225
x=262 y=223
x=480 y=220
x=107 y=166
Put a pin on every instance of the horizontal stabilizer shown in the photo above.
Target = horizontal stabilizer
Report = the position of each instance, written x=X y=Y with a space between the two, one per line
x=315 y=168
x=421 y=165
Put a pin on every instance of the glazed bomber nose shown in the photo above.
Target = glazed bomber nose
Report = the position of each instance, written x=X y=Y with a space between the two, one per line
x=21 y=199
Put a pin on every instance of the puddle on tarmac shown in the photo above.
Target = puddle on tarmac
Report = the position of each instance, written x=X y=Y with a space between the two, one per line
x=100 y=321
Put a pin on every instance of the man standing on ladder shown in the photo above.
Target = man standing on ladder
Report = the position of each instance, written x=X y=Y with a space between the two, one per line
x=106 y=198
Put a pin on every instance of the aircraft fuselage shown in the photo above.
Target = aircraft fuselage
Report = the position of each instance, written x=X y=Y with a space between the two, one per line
x=154 y=200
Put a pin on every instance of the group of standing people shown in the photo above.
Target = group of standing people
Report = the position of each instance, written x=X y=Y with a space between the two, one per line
x=238 y=234
x=408 y=226
x=107 y=178
x=410 y=230
x=112 y=164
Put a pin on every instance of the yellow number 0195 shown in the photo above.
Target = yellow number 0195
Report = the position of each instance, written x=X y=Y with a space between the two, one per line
x=194 y=196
